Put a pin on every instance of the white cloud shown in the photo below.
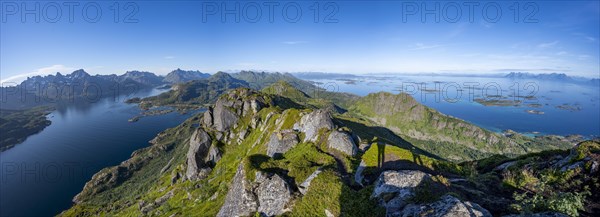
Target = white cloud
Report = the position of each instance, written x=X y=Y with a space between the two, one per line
x=547 y=45
x=585 y=37
x=421 y=46
x=169 y=57
x=591 y=39
x=485 y=24
x=561 y=53
x=41 y=71
x=583 y=57
x=458 y=30
x=294 y=42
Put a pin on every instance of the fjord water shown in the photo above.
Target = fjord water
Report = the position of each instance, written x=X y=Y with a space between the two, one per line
x=440 y=93
x=41 y=175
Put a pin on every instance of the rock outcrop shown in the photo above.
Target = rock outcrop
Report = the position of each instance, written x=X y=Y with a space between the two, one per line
x=273 y=194
x=239 y=200
x=281 y=142
x=394 y=188
x=230 y=107
x=543 y=214
x=311 y=123
x=343 y=142
x=446 y=206
x=201 y=155
x=359 y=176
x=303 y=188
x=268 y=195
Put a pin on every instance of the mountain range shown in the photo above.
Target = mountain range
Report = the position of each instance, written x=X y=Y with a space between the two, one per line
x=83 y=87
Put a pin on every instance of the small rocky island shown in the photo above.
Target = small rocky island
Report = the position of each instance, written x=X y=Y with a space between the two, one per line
x=535 y=112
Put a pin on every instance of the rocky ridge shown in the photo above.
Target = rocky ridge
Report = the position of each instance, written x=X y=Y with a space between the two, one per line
x=248 y=156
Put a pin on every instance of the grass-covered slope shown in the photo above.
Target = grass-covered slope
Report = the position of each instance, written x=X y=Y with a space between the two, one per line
x=439 y=134
x=284 y=89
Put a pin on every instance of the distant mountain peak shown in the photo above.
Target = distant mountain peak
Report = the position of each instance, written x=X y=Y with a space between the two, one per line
x=180 y=76
x=544 y=76
x=221 y=74
x=80 y=73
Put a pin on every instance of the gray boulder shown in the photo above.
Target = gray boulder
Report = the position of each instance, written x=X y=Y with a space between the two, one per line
x=306 y=184
x=573 y=166
x=358 y=176
x=239 y=200
x=343 y=142
x=543 y=214
x=273 y=194
x=447 y=206
x=505 y=166
x=311 y=123
x=594 y=167
x=207 y=117
x=281 y=142
x=230 y=107
x=363 y=147
x=223 y=117
x=201 y=155
x=268 y=195
x=394 y=188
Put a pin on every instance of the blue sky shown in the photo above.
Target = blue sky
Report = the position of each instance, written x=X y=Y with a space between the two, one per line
x=360 y=37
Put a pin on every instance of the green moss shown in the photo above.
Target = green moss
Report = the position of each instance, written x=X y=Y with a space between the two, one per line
x=397 y=153
x=327 y=192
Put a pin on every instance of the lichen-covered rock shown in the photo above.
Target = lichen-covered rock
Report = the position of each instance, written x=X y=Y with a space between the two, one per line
x=543 y=214
x=594 y=167
x=343 y=142
x=505 y=166
x=207 y=117
x=273 y=194
x=223 y=117
x=363 y=147
x=572 y=166
x=230 y=107
x=393 y=188
x=281 y=142
x=446 y=206
x=303 y=188
x=311 y=123
x=239 y=200
x=328 y=213
x=358 y=176
x=201 y=155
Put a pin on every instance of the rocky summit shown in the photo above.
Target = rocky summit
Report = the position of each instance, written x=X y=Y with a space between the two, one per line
x=260 y=153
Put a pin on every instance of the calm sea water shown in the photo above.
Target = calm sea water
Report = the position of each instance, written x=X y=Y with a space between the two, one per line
x=41 y=175
x=455 y=96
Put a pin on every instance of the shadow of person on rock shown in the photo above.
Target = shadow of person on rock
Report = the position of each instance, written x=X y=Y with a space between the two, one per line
x=380 y=154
